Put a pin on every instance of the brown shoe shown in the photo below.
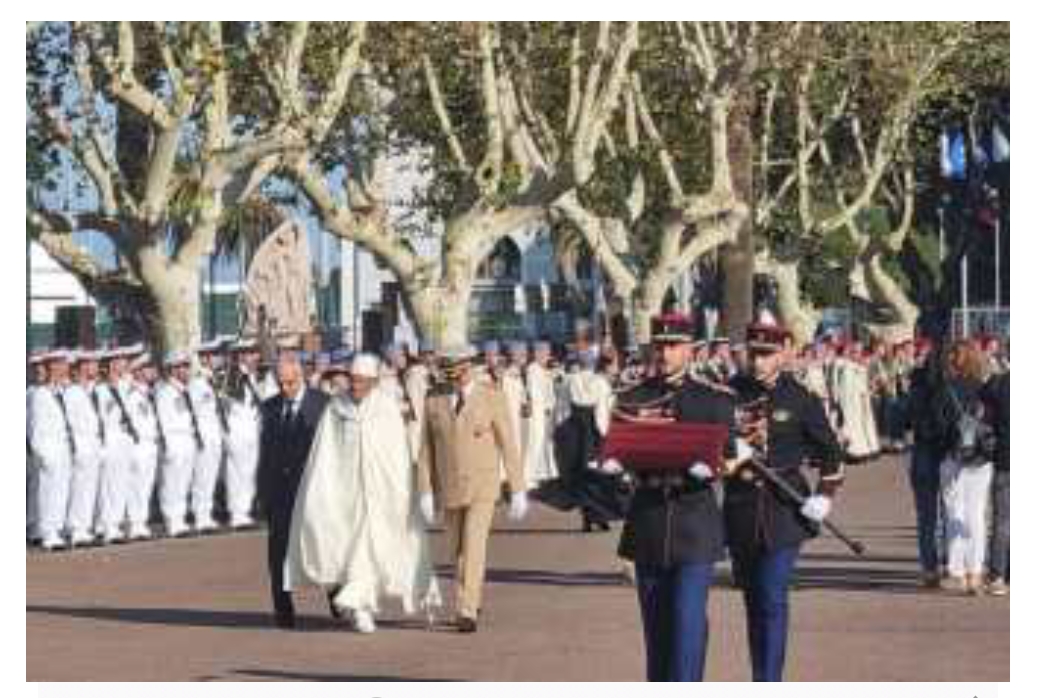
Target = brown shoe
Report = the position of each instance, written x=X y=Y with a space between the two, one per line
x=930 y=580
x=466 y=625
x=997 y=587
x=954 y=585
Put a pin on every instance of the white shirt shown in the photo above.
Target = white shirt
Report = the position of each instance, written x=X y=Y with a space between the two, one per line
x=48 y=436
x=295 y=405
x=83 y=418
x=174 y=412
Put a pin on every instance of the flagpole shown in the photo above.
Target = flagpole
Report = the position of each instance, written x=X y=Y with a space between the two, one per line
x=965 y=295
x=997 y=261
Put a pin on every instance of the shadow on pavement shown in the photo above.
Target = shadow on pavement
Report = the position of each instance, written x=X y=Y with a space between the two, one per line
x=276 y=675
x=544 y=577
x=864 y=559
x=892 y=581
x=188 y=617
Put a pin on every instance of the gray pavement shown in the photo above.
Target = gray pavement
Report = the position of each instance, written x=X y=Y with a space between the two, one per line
x=555 y=609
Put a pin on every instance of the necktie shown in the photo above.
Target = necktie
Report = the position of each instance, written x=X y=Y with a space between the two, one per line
x=459 y=401
x=288 y=413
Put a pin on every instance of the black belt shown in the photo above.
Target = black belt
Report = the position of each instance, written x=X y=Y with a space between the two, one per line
x=750 y=476
x=669 y=483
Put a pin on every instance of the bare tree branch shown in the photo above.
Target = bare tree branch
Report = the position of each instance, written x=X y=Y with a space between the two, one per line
x=435 y=93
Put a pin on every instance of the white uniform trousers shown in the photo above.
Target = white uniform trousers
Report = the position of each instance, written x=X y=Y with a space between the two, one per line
x=113 y=484
x=83 y=493
x=176 y=470
x=140 y=484
x=966 y=492
x=241 y=467
x=30 y=494
x=206 y=468
x=52 y=473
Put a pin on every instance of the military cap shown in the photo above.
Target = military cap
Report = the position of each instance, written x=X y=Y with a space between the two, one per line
x=673 y=328
x=456 y=354
x=767 y=337
x=176 y=358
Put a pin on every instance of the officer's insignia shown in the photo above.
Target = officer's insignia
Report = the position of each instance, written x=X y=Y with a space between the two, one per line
x=781 y=415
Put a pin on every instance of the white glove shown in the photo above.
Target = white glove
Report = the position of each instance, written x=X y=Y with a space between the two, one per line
x=701 y=471
x=816 y=508
x=517 y=509
x=612 y=467
x=428 y=508
x=744 y=451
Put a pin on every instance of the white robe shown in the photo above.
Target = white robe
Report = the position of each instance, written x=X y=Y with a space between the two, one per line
x=357 y=521
x=540 y=449
x=854 y=396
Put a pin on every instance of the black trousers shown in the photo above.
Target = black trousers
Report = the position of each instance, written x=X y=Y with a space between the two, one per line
x=279 y=537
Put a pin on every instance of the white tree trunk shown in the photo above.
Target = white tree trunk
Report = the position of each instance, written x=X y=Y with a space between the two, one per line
x=649 y=297
x=884 y=289
x=440 y=314
x=177 y=316
x=798 y=316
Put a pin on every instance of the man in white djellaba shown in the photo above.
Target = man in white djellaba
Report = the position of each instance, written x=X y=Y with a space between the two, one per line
x=357 y=528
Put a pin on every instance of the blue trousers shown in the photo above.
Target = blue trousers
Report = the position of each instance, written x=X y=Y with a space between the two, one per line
x=925 y=481
x=765 y=577
x=673 y=602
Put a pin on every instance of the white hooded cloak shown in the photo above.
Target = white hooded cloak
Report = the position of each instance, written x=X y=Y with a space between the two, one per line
x=357 y=522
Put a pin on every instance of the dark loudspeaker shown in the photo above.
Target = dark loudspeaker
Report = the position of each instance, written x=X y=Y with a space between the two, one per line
x=74 y=327
x=373 y=331
x=390 y=301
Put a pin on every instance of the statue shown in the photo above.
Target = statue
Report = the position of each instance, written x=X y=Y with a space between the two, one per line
x=278 y=284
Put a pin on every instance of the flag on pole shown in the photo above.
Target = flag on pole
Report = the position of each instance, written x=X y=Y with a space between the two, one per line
x=952 y=155
x=999 y=145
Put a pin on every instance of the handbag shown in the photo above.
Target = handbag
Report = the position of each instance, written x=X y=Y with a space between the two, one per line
x=976 y=439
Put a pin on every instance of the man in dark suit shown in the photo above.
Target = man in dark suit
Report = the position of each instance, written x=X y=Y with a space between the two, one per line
x=288 y=424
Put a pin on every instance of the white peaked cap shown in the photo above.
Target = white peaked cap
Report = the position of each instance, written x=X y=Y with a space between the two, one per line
x=366 y=365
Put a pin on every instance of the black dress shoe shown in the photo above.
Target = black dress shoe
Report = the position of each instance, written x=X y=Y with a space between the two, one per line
x=466 y=625
x=286 y=621
x=335 y=612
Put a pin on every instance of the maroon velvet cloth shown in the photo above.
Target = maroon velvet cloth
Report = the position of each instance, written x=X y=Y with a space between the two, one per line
x=645 y=445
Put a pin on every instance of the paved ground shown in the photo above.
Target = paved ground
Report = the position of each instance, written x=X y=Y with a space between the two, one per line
x=555 y=610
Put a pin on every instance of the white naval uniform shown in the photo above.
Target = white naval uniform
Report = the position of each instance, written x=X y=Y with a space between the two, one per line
x=117 y=460
x=179 y=457
x=145 y=459
x=539 y=463
x=52 y=461
x=517 y=395
x=417 y=385
x=30 y=467
x=83 y=488
x=241 y=465
x=207 y=466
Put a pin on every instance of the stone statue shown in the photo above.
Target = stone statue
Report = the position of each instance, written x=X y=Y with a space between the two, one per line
x=279 y=283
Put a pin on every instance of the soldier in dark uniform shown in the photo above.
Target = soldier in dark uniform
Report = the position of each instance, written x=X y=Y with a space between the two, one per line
x=764 y=529
x=673 y=531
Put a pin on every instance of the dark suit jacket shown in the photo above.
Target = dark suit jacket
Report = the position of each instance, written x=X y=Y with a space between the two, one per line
x=284 y=450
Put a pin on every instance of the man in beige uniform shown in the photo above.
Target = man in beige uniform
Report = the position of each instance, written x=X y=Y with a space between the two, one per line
x=466 y=432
